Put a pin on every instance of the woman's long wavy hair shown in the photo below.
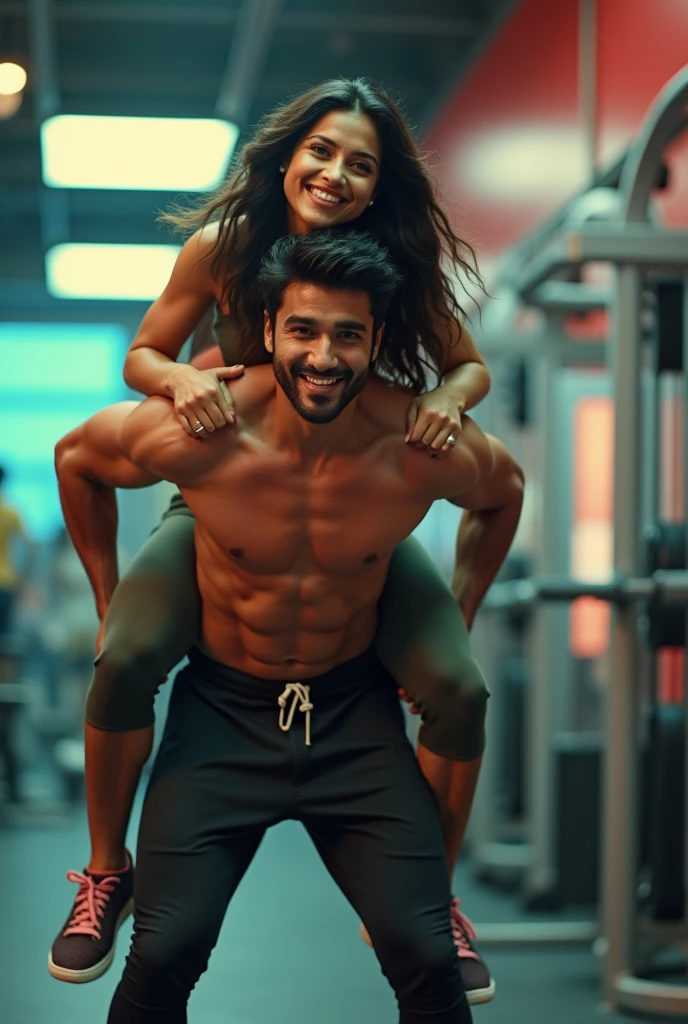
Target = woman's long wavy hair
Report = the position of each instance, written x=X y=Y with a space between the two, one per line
x=405 y=218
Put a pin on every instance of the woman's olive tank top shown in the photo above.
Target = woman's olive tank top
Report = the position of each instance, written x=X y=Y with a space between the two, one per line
x=227 y=334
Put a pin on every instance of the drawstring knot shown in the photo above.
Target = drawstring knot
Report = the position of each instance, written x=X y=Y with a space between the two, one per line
x=298 y=693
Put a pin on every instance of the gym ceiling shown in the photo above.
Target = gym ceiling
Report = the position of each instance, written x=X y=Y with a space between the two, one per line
x=192 y=58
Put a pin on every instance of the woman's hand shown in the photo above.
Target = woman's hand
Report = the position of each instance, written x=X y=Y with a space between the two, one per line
x=202 y=400
x=432 y=420
x=413 y=708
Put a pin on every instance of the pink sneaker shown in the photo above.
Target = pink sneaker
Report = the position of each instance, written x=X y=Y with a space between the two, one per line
x=479 y=986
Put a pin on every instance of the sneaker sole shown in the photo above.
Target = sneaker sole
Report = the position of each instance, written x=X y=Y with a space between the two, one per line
x=97 y=970
x=476 y=996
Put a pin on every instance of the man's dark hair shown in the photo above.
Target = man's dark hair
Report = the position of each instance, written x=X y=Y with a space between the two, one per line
x=346 y=260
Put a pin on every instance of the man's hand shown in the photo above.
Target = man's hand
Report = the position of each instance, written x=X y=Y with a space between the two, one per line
x=431 y=420
x=202 y=400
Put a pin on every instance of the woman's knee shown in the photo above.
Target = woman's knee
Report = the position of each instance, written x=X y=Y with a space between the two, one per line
x=126 y=678
x=454 y=708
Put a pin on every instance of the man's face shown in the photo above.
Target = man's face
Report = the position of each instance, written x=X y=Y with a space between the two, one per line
x=322 y=347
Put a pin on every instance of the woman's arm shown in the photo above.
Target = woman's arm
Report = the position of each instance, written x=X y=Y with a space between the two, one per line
x=466 y=377
x=200 y=396
x=436 y=416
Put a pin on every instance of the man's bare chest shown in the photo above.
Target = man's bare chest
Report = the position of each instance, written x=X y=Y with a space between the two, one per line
x=270 y=517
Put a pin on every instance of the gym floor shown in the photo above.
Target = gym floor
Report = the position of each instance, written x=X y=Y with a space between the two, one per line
x=289 y=951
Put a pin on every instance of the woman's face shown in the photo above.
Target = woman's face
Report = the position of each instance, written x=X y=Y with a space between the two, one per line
x=333 y=172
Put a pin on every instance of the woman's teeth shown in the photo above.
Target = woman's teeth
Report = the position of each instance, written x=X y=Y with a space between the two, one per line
x=327 y=197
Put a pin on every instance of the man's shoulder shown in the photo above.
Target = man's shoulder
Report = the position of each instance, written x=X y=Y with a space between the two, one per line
x=386 y=405
x=470 y=461
x=253 y=389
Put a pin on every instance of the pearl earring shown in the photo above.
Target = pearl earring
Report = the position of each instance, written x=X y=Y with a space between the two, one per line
x=282 y=168
x=371 y=202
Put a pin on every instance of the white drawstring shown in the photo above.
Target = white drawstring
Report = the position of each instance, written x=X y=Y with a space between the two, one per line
x=298 y=692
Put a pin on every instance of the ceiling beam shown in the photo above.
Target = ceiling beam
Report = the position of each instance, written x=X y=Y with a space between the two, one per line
x=251 y=41
x=53 y=203
x=43 y=58
x=303 y=21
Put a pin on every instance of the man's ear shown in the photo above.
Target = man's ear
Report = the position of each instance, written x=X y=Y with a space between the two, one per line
x=377 y=341
x=267 y=333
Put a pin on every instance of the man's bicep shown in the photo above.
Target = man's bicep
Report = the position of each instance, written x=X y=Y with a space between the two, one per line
x=94 y=451
x=155 y=442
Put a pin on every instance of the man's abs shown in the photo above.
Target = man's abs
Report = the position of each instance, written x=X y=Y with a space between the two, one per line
x=284 y=626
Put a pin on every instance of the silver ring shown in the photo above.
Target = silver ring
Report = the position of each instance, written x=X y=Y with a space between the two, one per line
x=451 y=440
x=199 y=427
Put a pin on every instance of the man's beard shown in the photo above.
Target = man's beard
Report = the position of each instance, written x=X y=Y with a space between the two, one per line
x=316 y=408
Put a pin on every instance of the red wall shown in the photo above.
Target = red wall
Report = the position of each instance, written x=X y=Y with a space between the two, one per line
x=510 y=140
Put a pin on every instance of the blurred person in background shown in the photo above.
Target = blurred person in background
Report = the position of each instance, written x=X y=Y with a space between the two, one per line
x=337 y=154
x=13 y=535
x=13 y=576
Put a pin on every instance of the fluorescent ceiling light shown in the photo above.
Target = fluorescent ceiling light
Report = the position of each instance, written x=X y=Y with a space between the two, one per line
x=523 y=163
x=165 y=153
x=85 y=271
x=12 y=78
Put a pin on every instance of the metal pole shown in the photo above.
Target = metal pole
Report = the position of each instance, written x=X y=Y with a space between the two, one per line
x=685 y=652
x=619 y=832
x=587 y=81
x=541 y=882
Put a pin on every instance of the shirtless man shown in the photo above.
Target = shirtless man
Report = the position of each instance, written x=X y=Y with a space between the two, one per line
x=285 y=712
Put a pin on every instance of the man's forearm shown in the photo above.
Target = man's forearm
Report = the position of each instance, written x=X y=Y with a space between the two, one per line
x=482 y=544
x=90 y=513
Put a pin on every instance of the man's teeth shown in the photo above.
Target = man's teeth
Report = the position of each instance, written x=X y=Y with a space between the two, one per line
x=322 y=382
x=327 y=196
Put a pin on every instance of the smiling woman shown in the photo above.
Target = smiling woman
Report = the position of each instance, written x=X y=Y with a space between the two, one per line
x=333 y=173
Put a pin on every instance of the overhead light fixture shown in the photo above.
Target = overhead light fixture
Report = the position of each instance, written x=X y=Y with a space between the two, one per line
x=156 y=153
x=12 y=82
x=523 y=164
x=88 y=271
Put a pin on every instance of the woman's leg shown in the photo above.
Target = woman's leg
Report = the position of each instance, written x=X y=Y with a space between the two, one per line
x=423 y=642
x=152 y=622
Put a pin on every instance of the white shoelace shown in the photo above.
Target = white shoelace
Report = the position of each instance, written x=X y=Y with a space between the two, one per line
x=297 y=692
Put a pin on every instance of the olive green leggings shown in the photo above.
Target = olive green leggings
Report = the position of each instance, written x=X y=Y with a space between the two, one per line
x=422 y=640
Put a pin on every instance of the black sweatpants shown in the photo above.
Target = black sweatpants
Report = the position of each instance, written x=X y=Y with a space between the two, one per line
x=231 y=765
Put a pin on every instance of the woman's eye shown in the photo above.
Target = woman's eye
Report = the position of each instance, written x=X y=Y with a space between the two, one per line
x=320 y=150
x=363 y=167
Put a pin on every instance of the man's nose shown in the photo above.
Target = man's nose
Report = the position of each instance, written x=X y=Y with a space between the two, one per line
x=322 y=355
